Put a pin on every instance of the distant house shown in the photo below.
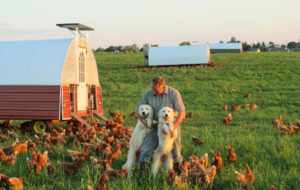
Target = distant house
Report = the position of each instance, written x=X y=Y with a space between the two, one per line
x=226 y=48
x=178 y=55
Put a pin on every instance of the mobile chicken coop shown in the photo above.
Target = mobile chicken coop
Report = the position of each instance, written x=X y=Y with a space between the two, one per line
x=178 y=55
x=47 y=80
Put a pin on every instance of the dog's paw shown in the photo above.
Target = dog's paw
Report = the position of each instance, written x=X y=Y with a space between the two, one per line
x=171 y=127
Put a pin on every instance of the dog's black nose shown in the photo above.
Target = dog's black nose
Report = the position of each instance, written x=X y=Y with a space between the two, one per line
x=143 y=113
x=166 y=115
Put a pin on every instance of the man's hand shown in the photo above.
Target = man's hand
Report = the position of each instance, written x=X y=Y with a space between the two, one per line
x=179 y=119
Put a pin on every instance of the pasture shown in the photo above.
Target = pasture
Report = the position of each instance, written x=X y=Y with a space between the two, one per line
x=270 y=79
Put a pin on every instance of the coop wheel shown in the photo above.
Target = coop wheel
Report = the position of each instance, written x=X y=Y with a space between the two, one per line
x=39 y=127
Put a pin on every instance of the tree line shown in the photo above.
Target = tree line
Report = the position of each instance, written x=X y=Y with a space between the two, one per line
x=262 y=46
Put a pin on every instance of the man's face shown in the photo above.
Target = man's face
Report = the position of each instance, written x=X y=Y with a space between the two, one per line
x=158 y=89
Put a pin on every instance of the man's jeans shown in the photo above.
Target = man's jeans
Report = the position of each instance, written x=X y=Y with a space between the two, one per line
x=151 y=142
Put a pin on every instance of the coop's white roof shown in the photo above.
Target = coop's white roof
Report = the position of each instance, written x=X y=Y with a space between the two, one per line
x=32 y=62
x=178 y=55
x=225 y=46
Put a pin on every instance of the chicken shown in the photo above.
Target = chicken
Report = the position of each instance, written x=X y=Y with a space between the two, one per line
x=218 y=161
x=190 y=115
x=38 y=161
x=245 y=180
x=227 y=119
x=197 y=141
x=112 y=173
x=115 y=154
x=20 y=148
x=77 y=156
x=9 y=160
x=204 y=159
x=278 y=122
x=273 y=187
x=3 y=138
x=210 y=176
x=231 y=157
x=225 y=107
x=236 y=107
x=16 y=183
x=12 y=183
x=253 y=106
x=4 y=180
x=71 y=167
x=171 y=176
x=102 y=182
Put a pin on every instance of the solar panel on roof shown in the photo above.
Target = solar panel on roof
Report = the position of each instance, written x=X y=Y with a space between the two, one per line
x=73 y=26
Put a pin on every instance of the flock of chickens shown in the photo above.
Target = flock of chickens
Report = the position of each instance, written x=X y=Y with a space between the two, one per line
x=103 y=143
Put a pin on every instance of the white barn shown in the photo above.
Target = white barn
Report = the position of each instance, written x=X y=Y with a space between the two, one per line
x=226 y=48
x=178 y=55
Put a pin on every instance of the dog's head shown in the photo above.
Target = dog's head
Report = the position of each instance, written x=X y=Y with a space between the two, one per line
x=145 y=110
x=167 y=114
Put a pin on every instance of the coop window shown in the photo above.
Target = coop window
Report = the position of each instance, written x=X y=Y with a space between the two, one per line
x=81 y=67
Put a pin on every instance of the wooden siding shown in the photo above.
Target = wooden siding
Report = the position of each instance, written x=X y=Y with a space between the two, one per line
x=29 y=102
x=99 y=100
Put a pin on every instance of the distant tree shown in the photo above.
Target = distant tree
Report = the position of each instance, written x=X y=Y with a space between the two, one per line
x=185 y=43
x=233 y=40
x=263 y=47
x=99 y=49
x=154 y=45
x=292 y=45
x=110 y=49
x=221 y=41
x=245 y=46
x=283 y=46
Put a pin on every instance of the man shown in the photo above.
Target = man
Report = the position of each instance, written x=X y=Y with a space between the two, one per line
x=160 y=96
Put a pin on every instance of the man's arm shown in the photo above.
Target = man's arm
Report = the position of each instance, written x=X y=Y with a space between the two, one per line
x=179 y=119
x=180 y=108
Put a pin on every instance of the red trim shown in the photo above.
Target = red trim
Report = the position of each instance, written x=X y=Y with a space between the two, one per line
x=99 y=99
x=66 y=102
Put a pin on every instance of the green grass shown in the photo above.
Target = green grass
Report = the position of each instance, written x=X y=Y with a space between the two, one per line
x=271 y=78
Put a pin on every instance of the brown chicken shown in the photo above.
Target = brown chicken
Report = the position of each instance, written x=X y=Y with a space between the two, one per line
x=253 y=106
x=102 y=182
x=71 y=167
x=227 y=119
x=231 y=157
x=210 y=176
x=77 y=156
x=3 y=138
x=236 y=107
x=273 y=187
x=4 y=180
x=190 y=115
x=16 y=183
x=197 y=141
x=115 y=154
x=246 y=179
x=225 y=107
x=20 y=148
x=38 y=161
x=113 y=174
x=218 y=161
x=9 y=160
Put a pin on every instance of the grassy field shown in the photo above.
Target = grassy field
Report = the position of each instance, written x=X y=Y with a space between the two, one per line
x=272 y=79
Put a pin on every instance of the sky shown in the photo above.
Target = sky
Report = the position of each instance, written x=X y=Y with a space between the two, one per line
x=163 y=22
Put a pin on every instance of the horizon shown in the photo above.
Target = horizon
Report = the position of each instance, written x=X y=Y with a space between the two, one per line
x=164 y=23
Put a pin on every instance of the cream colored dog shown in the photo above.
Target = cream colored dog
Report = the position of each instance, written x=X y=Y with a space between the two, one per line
x=166 y=137
x=138 y=135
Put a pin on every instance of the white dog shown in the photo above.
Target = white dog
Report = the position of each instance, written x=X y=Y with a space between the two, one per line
x=138 y=135
x=166 y=137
